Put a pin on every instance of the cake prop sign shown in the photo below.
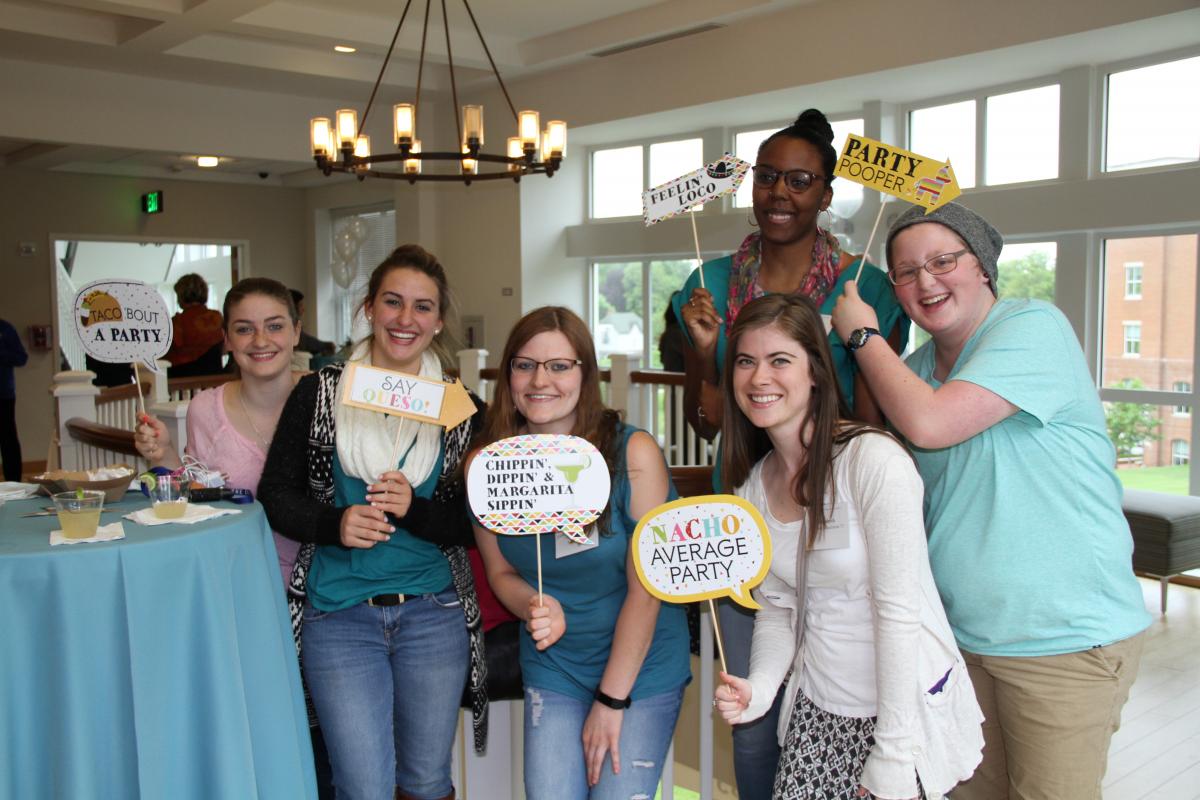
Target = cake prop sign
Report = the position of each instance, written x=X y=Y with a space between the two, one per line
x=404 y=395
x=703 y=548
x=539 y=483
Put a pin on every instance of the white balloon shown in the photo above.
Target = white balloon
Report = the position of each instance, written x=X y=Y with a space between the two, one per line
x=344 y=244
x=343 y=272
x=360 y=229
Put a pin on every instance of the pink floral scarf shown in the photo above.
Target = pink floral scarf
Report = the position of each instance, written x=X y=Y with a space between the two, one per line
x=743 y=274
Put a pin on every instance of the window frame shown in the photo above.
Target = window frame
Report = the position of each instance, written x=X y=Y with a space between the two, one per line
x=1139 y=266
x=1185 y=459
x=1181 y=387
x=1126 y=324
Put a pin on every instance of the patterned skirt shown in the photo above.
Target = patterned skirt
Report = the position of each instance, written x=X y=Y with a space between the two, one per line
x=823 y=754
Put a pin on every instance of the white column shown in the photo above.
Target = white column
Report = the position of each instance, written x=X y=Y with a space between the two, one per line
x=158 y=384
x=74 y=396
x=173 y=414
x=470 y=362
x=621 y=391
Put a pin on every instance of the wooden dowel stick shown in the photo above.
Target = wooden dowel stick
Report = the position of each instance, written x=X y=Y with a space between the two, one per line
x=870 y=239
x=696 y=240
x=137 y=380
x=712 y=609
x=538 y=539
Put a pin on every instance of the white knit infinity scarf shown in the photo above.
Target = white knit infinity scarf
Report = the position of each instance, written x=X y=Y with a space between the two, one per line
x=365 y=439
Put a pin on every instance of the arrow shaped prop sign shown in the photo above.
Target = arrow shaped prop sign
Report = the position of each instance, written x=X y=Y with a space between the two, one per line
x=404 y=395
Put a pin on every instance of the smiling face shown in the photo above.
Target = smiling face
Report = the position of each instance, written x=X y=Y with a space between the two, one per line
x=784 y=217
x=949 y=306
x=772 y=381
x=260 y=335
x=404 y=316
x=547 y=400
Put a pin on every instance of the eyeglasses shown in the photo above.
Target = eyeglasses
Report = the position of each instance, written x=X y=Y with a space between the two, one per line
x=796 y=180
x=555 y=366
x=938 y=265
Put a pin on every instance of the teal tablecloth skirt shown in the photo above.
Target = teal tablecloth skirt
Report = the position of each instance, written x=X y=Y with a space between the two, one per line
x=160 y=666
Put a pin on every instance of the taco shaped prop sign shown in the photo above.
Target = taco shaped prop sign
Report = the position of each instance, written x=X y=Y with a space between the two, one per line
x=538 y=483
x=701 y=548
x=122 y=322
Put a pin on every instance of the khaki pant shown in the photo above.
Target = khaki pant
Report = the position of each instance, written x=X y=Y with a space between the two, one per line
x=1049 y=720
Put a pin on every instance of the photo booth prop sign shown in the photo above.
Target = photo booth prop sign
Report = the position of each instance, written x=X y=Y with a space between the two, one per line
x=123 y=322
x=701 y=548
x=538 y=483
x=677 y=196
x=404 y=395
x=900 y=173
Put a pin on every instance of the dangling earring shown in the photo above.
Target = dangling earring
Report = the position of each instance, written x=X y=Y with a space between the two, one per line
x=829 y=216
x=750 y=218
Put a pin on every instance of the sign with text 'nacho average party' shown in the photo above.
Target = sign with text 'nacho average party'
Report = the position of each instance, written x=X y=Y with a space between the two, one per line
x=538 y=483
x=897 y=172
x=675 y=197
x=122 y=322
x=702 y=548
x=404 y=395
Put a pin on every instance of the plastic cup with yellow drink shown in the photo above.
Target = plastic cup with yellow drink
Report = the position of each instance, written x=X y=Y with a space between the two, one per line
x=79 y=512
x=170 y=497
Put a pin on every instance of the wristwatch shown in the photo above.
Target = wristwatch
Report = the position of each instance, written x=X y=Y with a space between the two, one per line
x=612 y=702
x=859 y=337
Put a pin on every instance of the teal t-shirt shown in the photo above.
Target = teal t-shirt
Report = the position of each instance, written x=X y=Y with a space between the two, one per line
x=1029 y=547
x=873 y=287
x=341 y=577
x=591 y=587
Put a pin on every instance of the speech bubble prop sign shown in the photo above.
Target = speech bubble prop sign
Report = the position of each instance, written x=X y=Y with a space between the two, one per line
x=675 y=197
x=701 y=548
x=404 y=395
x=897 y=172
x=120 y=322
x=538 y=483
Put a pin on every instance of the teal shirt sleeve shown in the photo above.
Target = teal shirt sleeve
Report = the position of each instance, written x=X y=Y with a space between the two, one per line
x=716 y=280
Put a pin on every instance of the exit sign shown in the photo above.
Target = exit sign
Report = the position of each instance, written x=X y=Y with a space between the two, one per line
x=152 y=203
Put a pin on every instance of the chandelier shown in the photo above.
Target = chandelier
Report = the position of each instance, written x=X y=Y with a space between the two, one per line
x=339 y=145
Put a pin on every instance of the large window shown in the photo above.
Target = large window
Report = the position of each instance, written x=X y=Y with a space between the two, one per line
x=1153 y=116
x=1027 y=271
x=847 y=195
x=617 y=182
x=946 y=133
x=1022 y=136
x=629 y=305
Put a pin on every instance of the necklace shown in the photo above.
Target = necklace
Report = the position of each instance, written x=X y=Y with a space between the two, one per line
x=266 y=444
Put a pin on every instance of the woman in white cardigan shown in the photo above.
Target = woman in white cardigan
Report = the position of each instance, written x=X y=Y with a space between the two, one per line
x=878 y=701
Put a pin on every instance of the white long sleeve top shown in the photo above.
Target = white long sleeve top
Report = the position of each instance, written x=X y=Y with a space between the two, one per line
x=876 y=641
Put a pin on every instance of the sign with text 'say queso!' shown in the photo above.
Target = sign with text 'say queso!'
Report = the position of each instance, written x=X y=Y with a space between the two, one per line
x=897 y=172
x=404 y=395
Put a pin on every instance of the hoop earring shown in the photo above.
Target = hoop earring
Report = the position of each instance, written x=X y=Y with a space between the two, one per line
x=829 y=215
x=750 y=218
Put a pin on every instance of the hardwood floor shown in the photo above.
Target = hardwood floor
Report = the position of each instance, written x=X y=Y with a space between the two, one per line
x=1156 y=753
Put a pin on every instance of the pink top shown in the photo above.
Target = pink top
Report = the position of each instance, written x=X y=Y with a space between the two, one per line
x=214 y=441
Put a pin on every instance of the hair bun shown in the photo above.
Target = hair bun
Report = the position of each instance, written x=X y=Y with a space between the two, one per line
x=815 y=121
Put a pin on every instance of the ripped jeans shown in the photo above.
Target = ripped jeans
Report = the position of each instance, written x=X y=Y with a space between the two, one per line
x=554 y=762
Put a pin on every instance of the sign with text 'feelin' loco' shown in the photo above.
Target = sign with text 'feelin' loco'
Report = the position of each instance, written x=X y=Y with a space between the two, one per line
x=701 y=548
x=675 y=197
x=539 y=483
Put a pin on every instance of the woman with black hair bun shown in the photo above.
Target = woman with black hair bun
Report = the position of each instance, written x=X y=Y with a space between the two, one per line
x=789 y=253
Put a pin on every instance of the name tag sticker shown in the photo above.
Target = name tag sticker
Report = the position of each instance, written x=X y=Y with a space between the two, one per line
x=565 y=548
x=836 y=535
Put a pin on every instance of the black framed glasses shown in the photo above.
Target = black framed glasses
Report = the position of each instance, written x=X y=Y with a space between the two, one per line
x=796 y=180
x=554 y=366
x=938 y=265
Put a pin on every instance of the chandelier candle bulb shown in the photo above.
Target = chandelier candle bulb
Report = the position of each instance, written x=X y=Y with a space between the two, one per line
x=347 y=127
x=405 y=123
x=528 y=126
x=472 y=124
x=545 y=152
x=514 y=151
x=320 y=136
x=557 y=130
x=412 y=166
x=469 y=165
x=362 y=146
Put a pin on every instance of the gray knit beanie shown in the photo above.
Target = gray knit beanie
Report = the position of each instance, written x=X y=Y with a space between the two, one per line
x=984 y=240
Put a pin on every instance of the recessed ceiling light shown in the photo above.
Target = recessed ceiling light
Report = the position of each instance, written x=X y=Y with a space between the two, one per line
x=207 y=162
x=345 y=48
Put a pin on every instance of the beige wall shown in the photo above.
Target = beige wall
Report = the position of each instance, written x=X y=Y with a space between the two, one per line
x=39 y=206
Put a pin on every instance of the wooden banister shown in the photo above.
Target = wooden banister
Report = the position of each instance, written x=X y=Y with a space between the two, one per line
x=659 y=376
x=197 y=382
x=692 y=481
x=115 y=394
x=104 y=437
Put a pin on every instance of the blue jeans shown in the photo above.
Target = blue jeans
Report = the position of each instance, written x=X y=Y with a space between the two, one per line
x=755 y=744
x=554 y=763
x=386 y=682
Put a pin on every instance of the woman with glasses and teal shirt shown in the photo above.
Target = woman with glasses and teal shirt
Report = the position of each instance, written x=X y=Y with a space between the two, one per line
x=788 y=254
x=604 y=663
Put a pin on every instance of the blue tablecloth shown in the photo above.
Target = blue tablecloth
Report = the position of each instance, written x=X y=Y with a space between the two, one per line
x=157 y=666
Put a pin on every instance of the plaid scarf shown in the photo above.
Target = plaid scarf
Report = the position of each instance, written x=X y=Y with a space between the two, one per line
x=743 y=275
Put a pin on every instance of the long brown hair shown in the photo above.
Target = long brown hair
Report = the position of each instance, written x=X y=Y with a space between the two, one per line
x=593 y=421
x=415 y=257
x=826 y=424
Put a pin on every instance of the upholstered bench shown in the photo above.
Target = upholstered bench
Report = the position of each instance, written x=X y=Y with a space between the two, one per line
x=1166 y=534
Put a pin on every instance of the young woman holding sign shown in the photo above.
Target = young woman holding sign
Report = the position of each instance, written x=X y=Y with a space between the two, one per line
x=391 y=620
x=878 y=701
x=604 y=663
x=789 y=254
x=1028 y=542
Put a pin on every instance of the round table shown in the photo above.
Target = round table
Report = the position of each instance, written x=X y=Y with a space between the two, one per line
x=160 y=665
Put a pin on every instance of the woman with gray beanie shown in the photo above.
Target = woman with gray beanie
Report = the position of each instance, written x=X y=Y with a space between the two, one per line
x=1028 y=544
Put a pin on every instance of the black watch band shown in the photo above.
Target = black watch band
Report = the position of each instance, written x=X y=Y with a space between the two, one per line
x=612 y=702
x=860 y=337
